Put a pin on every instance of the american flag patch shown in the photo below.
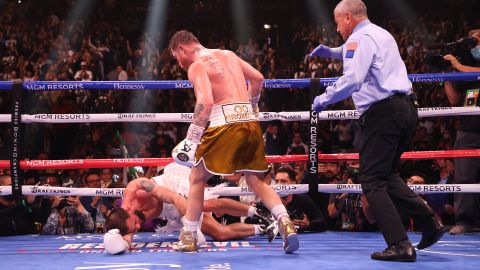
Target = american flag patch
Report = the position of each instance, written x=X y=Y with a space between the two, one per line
x=351 y=47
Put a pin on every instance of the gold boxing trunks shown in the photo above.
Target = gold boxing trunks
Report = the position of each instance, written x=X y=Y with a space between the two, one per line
x=233 y=142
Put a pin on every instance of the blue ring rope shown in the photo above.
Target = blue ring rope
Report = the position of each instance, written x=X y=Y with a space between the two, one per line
x=184 y=84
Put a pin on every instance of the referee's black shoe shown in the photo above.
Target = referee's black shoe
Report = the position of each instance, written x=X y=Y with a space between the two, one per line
x=432 y=231
x=402 y=251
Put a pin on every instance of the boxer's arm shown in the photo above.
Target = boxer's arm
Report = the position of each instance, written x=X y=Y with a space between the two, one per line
x=129 y=194
x=254 y=77
x=184 y=152
x=164 y=195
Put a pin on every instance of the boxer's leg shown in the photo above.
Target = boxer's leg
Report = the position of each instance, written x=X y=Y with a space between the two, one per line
x=198 y=177
x=272 y=201
x=188 y=237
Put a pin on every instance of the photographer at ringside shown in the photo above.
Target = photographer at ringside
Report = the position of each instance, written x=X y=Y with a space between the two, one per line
x=467 y=170
x=68 y=216
x=350 y=212
x=302 y=210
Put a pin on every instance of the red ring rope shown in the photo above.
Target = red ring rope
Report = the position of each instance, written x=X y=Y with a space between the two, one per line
x=121 y=163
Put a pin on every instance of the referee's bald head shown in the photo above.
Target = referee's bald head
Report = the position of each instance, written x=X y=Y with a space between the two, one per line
x=356 y=7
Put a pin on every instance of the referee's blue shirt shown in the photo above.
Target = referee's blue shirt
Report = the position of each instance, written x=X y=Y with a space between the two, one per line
x=372 y=69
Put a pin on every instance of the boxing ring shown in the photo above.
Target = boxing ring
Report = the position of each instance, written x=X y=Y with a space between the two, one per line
x=327 y=250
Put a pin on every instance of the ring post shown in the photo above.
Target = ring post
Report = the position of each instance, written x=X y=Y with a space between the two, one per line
x=313 y=131
x=17 y=140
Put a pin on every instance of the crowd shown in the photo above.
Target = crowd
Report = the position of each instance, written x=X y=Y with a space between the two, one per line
x=38 y=44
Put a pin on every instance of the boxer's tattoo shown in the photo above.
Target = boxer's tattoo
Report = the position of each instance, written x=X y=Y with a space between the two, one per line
x=215 y=65
x=147 y=185
x=198 y=110
x=201 y=115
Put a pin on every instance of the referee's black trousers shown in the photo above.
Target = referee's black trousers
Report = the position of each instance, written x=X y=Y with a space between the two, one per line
x=386 y=131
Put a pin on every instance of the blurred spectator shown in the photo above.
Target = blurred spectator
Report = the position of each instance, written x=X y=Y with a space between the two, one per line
x=106 y=177
x=83 y=74
x=442 y=203
x=97 y=206
x=345 y=134
x=297 y=143
x=19 y=216
x=4 y=149
x=416 y=178
x=275 y=143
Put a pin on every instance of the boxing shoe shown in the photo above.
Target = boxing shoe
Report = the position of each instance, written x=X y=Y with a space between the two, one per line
x=187 y=242
x=432 y=231
x=263 y=216
x=289 y=234
x=402 y=251
x=266 y=219
x=270 y=230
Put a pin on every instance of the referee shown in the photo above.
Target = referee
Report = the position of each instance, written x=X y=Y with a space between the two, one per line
x=376 y=78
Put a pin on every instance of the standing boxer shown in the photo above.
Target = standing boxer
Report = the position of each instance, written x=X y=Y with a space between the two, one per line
x=233 y=142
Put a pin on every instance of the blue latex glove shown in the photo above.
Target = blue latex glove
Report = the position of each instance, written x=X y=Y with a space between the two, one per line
x=322 y=51
x=316 y=105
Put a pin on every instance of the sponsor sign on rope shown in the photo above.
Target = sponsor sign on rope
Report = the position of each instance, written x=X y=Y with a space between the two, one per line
x=187 y=117
x=132 y=162
x=239 y=191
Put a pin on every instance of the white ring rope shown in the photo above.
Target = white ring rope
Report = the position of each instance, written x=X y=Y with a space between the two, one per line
x=187 y=117
x=239 y=191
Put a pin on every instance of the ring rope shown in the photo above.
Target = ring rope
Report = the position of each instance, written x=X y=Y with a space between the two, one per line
x=187 y=117
x=184 y=84
x=282 y=190
x=131 y=162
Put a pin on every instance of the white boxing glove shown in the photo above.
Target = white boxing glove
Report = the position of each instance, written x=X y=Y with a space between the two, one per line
x=184 y=152
x=114 y=243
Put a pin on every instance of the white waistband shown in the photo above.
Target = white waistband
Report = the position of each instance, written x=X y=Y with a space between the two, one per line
x=231 y=113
